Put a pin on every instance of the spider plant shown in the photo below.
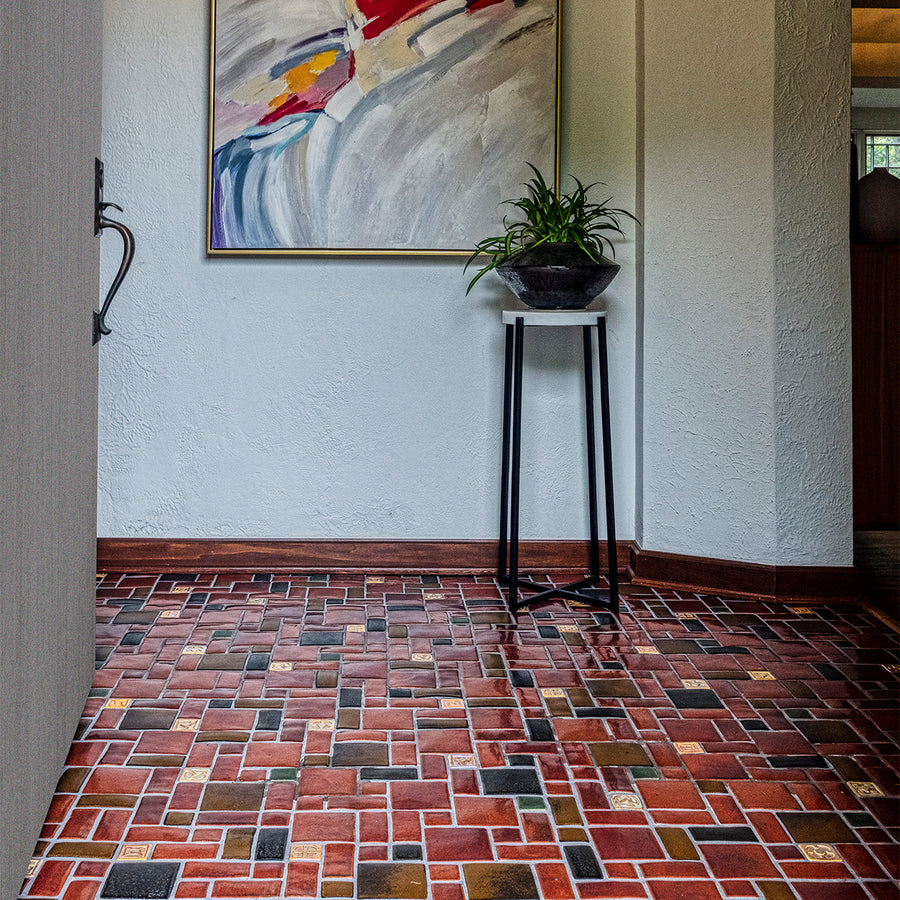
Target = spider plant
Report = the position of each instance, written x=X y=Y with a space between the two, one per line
x=551 y=218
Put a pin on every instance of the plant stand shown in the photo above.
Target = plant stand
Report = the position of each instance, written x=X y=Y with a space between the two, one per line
x=508 y=550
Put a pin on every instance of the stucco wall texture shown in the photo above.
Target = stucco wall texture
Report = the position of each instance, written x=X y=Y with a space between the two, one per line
x=360 y=398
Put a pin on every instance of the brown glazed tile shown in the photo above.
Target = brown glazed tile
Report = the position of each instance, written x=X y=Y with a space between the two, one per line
x=493 y=881
x=827 y=731
x=84 y=849
x=220 y=796
x=238 y=843
x=677 y=843
x=619 y=753
x=816 y=828
x=72 y=779
x=776 y=890
x=612 y=687
x=404 y=881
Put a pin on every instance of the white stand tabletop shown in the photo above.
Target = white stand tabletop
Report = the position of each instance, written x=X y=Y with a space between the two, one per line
x=553 y=316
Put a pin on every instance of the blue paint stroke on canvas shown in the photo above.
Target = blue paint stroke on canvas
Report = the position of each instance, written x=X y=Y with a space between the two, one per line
x=376 y=124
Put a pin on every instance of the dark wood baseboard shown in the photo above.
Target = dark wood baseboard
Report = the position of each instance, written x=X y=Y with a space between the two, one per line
x=731 y=578
x=371 y=556
x=644 y=568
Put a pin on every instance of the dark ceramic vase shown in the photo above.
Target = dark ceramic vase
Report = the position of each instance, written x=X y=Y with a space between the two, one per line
x=557 y=276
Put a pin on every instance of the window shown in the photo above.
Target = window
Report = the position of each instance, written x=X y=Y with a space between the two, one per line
x=883 y=151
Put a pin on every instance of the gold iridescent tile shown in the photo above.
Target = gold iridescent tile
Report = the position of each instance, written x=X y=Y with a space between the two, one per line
x=577 y=604
x=135 y=852
x=194 y=774
x=684 y=615
x=422 y=657
x=761 y=675
x=321 y=724
x=186 y=725
x=431 y=595
x=684 y=747
x=374 y=579
x=865 y=788
x=800 y=610
x=194 y=650
x=281 y=667
x=355 y=629
x=552 y=692
x=181 y=589
x=452 y=703
x=893 y=668
x=567 y=628
x=101 y=575
x=117 y=703
x=170 y=614
x=32 y=868
x=305 y=851
x=625 y=800
x=256 y=601
x=820 y=852
x=695 y=684
x=647 y=651
x=463 y=761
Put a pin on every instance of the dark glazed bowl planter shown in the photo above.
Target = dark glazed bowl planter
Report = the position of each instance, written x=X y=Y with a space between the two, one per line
x=557 y=276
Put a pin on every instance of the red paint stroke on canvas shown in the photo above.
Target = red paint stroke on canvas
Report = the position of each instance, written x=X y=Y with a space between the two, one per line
x=384 y=14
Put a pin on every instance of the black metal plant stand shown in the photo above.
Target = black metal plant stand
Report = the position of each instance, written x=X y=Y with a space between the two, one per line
x=508 y=551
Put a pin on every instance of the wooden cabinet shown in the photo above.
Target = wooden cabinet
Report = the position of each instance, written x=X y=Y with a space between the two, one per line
x=875 y=280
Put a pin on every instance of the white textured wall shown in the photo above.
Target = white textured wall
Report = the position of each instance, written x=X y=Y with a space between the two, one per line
x=305 y=398
x=708 y=279
x=813 y=427
x=746 y=351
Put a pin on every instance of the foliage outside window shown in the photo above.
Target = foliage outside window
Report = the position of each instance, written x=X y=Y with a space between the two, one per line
x=883 y=151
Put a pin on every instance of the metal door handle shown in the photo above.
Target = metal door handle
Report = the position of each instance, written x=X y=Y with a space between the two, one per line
x=100 y=326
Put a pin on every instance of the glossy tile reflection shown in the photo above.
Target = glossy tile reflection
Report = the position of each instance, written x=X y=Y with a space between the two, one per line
x=251 y=735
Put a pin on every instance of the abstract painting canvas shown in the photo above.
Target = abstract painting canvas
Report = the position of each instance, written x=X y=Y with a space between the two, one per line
x=376 y=126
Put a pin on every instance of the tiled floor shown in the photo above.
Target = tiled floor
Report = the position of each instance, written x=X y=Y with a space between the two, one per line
x=344 y=736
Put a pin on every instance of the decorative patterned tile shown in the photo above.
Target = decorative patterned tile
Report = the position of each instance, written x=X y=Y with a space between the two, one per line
x=800 y=610
x=305 y=851
x=134 y=852
x=170 y=614
x=194 y=775
x=647 y=651
x=695 y=684
x=194 y=650
x=865 y=789
x=624 y=800
x=353 y=629
x=463 y=761
x=321 y=725
x=186 y=725
x=117 y=703
x=422 y=657
x=820 y=852
x=761 y=675
x=684 y=747
x=34 y=863
x=552 y=692
x=452 y=703
x=281 y=666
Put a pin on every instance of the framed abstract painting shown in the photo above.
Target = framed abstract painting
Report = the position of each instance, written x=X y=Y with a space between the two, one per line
x=376 y=126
